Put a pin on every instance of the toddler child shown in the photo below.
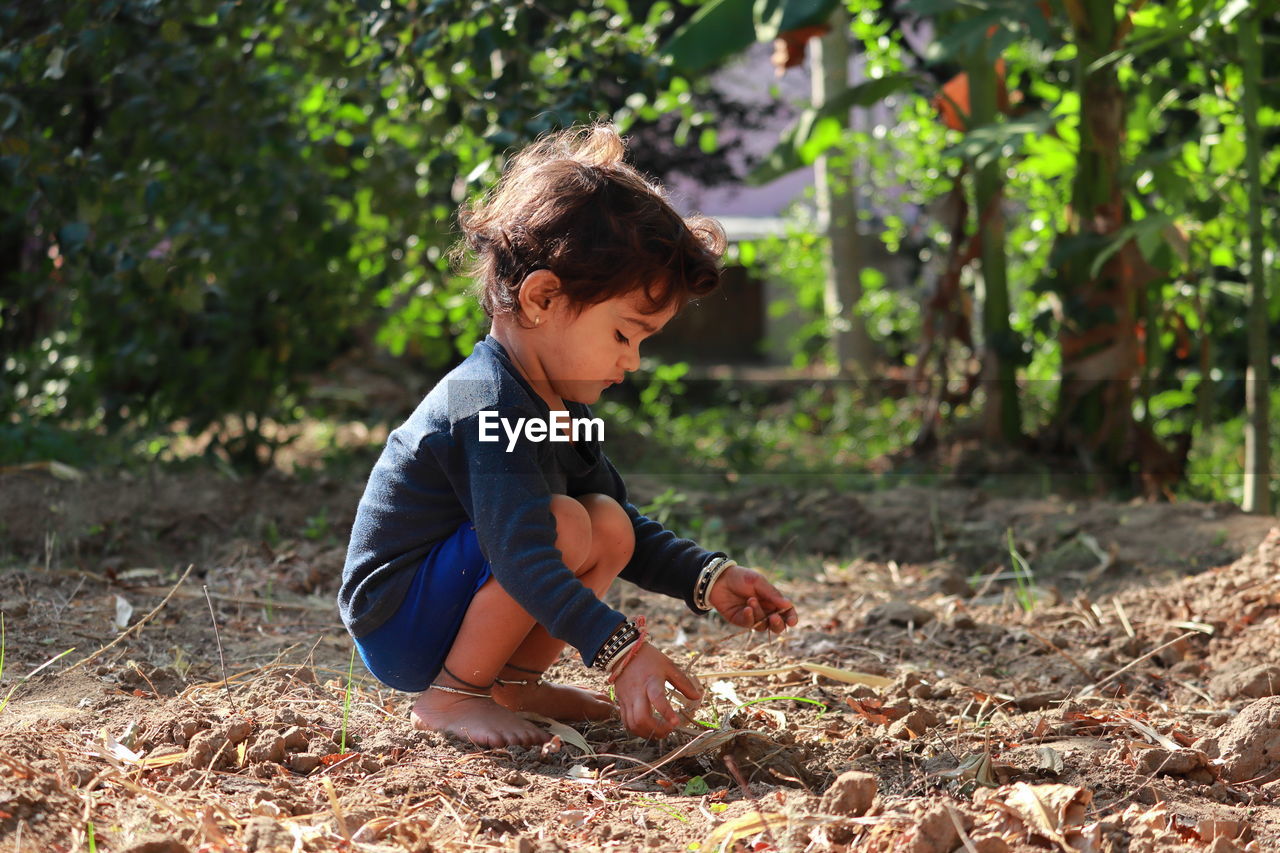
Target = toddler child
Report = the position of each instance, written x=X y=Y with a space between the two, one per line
x=493 y=522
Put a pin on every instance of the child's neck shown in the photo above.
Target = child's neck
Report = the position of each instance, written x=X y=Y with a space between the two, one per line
x=515 y=341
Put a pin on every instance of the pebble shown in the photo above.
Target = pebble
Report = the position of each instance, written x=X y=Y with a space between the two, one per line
x=851 y=795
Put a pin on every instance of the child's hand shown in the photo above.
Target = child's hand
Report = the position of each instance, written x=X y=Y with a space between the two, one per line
x=746 y=599
x=642 y=689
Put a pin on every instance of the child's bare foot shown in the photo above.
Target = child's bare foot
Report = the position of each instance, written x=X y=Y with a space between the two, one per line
x=557 y=701
x=479 y=720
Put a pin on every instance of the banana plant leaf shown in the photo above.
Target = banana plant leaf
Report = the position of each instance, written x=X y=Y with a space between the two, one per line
x=817 y=129
x=723 y=29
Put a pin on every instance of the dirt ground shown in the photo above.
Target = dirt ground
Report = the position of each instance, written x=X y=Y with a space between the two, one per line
x=1123 y=697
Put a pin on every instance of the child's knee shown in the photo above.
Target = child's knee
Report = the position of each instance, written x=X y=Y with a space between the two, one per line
x=611 y=527
x=573 y=530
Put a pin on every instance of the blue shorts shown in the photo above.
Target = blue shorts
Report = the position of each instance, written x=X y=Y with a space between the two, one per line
x=407 y=651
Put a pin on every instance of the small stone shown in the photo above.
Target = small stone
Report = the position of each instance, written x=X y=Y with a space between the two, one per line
x=263 y=833
x=305 y=674
x=205 y=750
x=289 y=717
x=295 y=738
x=187 y=780
x=237 y=731
x=304 y=762
x=269 y=746
x=913 y=724
x=921 y=691
x=1254 y=682
x=851 y=795
x=1209 y=828
x=1164 y=762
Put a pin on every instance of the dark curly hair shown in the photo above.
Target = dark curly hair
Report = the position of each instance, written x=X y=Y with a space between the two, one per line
x=569 y=204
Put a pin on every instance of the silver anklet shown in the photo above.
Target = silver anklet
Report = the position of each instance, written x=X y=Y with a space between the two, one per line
x=503 y=682
x=459 y=691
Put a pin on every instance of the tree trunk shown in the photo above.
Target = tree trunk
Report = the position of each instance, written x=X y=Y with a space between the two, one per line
x=1002 y=418
x=1257 y=435
x=837 y=214
x=1099 y=345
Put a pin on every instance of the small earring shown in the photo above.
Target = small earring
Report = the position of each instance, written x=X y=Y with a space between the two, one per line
x=537 y=320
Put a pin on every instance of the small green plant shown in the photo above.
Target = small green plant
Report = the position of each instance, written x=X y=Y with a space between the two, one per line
x=822 y=705
x=654 y=804
x=696 y=787
x=1022 y=576
x=268 y=611
x=271 y=533
x=346 y=703
x=662 y=506
x=181 y=663
x=317 y=527
x=93 y=843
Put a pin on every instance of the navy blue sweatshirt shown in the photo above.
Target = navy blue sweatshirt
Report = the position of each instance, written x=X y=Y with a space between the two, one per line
x=435 y=473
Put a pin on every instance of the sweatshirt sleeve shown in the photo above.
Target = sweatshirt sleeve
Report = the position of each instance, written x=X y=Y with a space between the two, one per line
x=507 y=498
x=663 y=562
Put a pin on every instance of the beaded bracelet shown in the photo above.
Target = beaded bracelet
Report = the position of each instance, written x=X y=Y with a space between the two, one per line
x=711 y=573
x=628 y=654
x=623 y=636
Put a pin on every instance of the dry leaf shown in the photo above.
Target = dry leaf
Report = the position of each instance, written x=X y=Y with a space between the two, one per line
x=565 y=733
x=726 y=691
x=846 y=676
x=1049 y=760
x=124 y=612
x=730 y=832
x=1050 y=811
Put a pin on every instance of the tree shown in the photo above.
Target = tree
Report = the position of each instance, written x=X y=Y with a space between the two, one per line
x=202 y=204
x=1257 y=457
x=838 y=213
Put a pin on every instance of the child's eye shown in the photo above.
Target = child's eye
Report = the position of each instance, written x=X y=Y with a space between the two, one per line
x=622 y=339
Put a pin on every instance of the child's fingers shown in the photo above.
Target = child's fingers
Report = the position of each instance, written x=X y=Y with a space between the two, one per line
x=660 y=704
x=639 y=719
x=683 y=682
x=774 y=599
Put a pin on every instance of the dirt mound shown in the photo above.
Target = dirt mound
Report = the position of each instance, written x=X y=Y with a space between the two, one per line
x=1249 y=746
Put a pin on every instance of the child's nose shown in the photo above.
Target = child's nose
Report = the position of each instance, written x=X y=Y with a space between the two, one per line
x=630 y=361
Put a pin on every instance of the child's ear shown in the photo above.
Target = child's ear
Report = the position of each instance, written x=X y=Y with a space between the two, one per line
x=538 y=290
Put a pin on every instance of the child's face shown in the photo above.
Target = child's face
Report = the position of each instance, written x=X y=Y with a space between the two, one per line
x=584 y=353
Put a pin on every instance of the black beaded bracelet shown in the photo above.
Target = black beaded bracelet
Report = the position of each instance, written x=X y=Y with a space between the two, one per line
x=623 y=636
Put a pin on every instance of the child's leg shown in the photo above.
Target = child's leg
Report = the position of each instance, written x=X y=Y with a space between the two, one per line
x=495 y=627
x=612 y=543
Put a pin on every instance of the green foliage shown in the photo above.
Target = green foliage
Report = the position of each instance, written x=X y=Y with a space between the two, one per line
x=201 y=205
x=721 y=29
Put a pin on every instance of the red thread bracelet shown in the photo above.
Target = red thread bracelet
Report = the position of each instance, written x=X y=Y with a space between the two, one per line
x=631 y=653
